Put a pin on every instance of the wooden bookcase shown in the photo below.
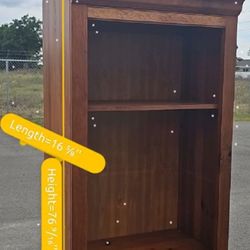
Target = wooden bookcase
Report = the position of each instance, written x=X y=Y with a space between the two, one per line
x=150 y=85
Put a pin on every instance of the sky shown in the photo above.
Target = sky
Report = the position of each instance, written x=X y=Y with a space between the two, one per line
x=244 y=31
x=10 y=9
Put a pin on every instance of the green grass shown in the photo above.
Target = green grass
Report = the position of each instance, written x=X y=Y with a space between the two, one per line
x=242 y=117
x=242 y=100
x=25 y=89
x=21 y=92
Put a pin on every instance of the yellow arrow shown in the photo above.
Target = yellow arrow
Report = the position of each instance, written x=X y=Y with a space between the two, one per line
x=53 y=144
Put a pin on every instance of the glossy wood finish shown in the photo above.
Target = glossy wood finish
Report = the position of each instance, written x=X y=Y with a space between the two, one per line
x=158 y=241
x=128 y=79
x=156 y=17
x=199 y=170
x=148 y=106
x=218 y=7
x=126 y=70
x=68 y=223
x=52 y=66
x=170 y=78
x=203 y=51
x=194 y=72
x=226 y=132
x=76 y=94
x=142 y=171
x=79 y=123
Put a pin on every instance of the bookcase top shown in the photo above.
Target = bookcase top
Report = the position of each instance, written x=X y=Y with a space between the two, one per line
x=214 y=7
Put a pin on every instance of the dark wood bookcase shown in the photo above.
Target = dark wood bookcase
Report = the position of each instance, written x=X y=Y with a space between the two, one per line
x=150 y=85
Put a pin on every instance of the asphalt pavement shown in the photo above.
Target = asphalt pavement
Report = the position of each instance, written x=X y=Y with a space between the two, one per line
x=19 y=196
x=240 y=189
x=20 y=193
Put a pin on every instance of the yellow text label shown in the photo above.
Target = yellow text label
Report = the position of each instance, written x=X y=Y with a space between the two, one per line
x=52 y=204
x=52 y=143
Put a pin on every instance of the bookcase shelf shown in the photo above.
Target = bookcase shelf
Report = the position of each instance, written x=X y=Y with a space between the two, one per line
x=171 y=239
x=148 y=106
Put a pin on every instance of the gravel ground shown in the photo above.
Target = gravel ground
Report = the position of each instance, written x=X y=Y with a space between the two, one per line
x=20 y=194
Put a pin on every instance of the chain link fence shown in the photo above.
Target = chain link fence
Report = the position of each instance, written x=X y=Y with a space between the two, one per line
x=21 y=88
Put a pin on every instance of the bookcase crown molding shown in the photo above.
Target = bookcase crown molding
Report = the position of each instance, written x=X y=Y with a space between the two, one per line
x=218 y=7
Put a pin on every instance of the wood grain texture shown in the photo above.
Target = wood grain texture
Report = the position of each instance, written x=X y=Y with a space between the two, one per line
x=79 y=123
x=76 y=94
x=225 y=133
x=140 y=71
x=156 y=17
x=148 y=106
x=210 y=173
x=218 y=7
x=168 y=54
x=199 y=167
x=135 y=64
x=68 y=130
x=52 y=66
x=142 y=171
x=164 y=240
x=202 y=65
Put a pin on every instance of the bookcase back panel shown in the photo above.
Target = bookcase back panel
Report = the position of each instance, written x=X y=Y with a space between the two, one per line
x=134 y=62
x=203 y=65
x=138 y=191
x=146 y=62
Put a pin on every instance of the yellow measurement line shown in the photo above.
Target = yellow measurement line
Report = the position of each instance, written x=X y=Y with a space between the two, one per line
x=63 y=116
x=63 y=68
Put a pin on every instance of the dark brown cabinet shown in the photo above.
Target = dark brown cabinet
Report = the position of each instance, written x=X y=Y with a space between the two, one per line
x=150 y=85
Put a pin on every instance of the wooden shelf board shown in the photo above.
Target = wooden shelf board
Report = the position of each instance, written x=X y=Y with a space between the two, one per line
x=171 y=239
x=148 y=106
